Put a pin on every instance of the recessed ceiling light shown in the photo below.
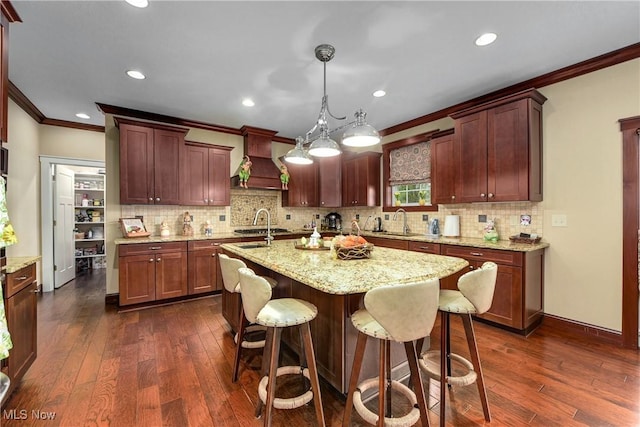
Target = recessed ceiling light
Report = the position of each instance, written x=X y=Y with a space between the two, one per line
x=135 y=74
x=379 y=93
x=486 y=38
x=247 y=102
x=138 y=3
x=83 y=116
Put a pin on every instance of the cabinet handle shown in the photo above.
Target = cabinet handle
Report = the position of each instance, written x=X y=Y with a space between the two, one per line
x=21 y=278
x=483 y=195
x=151 y=259
x=35 y=291
x=206 y=200
x=151 y=199
x=491 y=195
x=476 y=253
x=426 y=248
x=155 y=248
x=453 y=197
x=157 y=199
x=158 y=259
x=213 y=254
x=471 y=267
x=215 y=244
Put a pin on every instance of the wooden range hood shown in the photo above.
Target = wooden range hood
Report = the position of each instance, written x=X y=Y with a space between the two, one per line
x=264 y=172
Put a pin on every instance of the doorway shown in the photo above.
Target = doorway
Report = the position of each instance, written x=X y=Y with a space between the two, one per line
x=55 y=252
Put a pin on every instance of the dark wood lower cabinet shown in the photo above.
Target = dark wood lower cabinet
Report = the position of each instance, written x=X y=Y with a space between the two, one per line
x=21 y=312
x=204 y=273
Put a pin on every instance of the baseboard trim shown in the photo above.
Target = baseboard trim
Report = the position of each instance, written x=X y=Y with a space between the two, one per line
x=592 y=334
x=112 y=299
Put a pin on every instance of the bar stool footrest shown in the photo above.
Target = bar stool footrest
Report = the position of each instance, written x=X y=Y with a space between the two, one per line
x=405 y=421
x=251 y=329
x=289 y=403
x=430 y=363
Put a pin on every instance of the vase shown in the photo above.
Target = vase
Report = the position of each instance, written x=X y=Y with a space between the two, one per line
x=398 y=203
x=422 y=202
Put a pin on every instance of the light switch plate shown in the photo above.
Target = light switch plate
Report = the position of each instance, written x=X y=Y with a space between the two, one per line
x=425 y=217
x=559 y=220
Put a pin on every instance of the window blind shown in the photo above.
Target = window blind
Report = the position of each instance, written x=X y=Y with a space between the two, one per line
x=410 y=164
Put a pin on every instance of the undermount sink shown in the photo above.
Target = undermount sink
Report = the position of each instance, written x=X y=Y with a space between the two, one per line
x=398 y=233
x=253 y=246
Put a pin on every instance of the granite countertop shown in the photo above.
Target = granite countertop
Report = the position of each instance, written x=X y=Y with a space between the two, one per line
x=505 y=245
x=319 y=270
x=16 y=263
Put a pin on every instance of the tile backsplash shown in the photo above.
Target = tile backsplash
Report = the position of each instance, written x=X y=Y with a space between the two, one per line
x=245 y=202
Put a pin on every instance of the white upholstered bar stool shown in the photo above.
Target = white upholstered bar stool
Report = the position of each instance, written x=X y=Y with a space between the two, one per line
x=231 y=280
x=474 y=296
x=276 y=315
x=401 y=313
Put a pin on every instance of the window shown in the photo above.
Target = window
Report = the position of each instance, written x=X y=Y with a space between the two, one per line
x=407 y=173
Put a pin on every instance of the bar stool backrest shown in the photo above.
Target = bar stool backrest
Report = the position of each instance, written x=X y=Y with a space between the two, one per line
x=256 y=293
x=229 y=268
x=478 y=286
x=406 y=312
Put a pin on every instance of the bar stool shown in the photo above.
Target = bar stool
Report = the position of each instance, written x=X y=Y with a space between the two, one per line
x=231 y=280
x=276 y=315
x=401 y=313
x=475 y=296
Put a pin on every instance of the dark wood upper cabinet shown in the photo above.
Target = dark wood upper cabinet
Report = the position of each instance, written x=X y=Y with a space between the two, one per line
x=361 y=179
x=443 y=173
x=330 y=182
x=303 y=186
x=7 y=15
x=149 y=162
x=205 y=175
x=498 y=150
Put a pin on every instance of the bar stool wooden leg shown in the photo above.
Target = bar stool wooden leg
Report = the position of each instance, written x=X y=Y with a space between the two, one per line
x=382 y=380
x=313 y=372
x=475 y=359
x=241 y=331
x=361 y=344
x=265 y=365
x=412 y=358
x=274 y=354
x=444 y=337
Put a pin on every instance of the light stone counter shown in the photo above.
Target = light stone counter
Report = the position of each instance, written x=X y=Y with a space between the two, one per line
x=317 y=269
x=16 y=263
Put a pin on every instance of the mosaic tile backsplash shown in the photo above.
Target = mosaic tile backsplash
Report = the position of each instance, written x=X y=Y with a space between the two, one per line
x=245 y=202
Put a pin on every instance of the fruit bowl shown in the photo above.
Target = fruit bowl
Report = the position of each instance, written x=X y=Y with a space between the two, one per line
x=354 y=252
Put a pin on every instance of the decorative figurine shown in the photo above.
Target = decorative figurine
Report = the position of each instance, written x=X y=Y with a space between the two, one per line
x=208 y=229
x=245 y=171
x=284 y=176
x=187 y=229
x=490 y=232
x=164 y=229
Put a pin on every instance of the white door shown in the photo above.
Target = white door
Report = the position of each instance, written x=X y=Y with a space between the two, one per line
x=63 y=224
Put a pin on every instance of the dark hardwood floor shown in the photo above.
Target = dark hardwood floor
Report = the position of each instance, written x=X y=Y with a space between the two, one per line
x=171 y=366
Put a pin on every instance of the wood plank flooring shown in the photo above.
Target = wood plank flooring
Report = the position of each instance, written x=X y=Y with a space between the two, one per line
x=171 y=366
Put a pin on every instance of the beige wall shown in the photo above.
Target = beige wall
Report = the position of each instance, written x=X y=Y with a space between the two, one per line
x=582 y=179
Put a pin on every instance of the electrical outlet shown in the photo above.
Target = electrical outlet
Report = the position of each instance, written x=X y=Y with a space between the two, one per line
x=288 y=216
x=425 y=217
x=386 y=217
x=559 y=220
x=482 y=218
x=357 y=216
x=317 y=216
x=222 y=218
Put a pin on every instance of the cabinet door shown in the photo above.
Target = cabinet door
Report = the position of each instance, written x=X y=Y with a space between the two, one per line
x=349 y=182
x=195 y=176
x=21 y=313
x=137 y=279
x=443 y=170
x=166 y=166
x=303 y=186
x=508 y=152
x=171 y=275
x=219 y=180
x=471 y=158
x=203 y=271
x=506 y=308
x=136 y=165
x=330 y=182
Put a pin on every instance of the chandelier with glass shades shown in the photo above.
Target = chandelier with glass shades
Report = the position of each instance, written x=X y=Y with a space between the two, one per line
x=317 y=141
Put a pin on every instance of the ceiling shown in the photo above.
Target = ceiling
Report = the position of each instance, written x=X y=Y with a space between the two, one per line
x=202 y=58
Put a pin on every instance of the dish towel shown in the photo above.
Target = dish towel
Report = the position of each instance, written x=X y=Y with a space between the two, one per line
x=7 y=237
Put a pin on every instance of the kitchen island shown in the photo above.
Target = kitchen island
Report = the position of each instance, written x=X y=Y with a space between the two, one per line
x=336 y=287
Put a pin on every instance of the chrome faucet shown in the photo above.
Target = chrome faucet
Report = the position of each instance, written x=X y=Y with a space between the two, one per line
x=364 y=228
x=405 y=227
x=269 y=237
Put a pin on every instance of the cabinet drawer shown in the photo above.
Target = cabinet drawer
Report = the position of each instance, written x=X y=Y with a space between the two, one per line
x=20 y=279
x=482 y=254
x=145 y=248
x=194 y=245
x=388 y=243
x=428 y=247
